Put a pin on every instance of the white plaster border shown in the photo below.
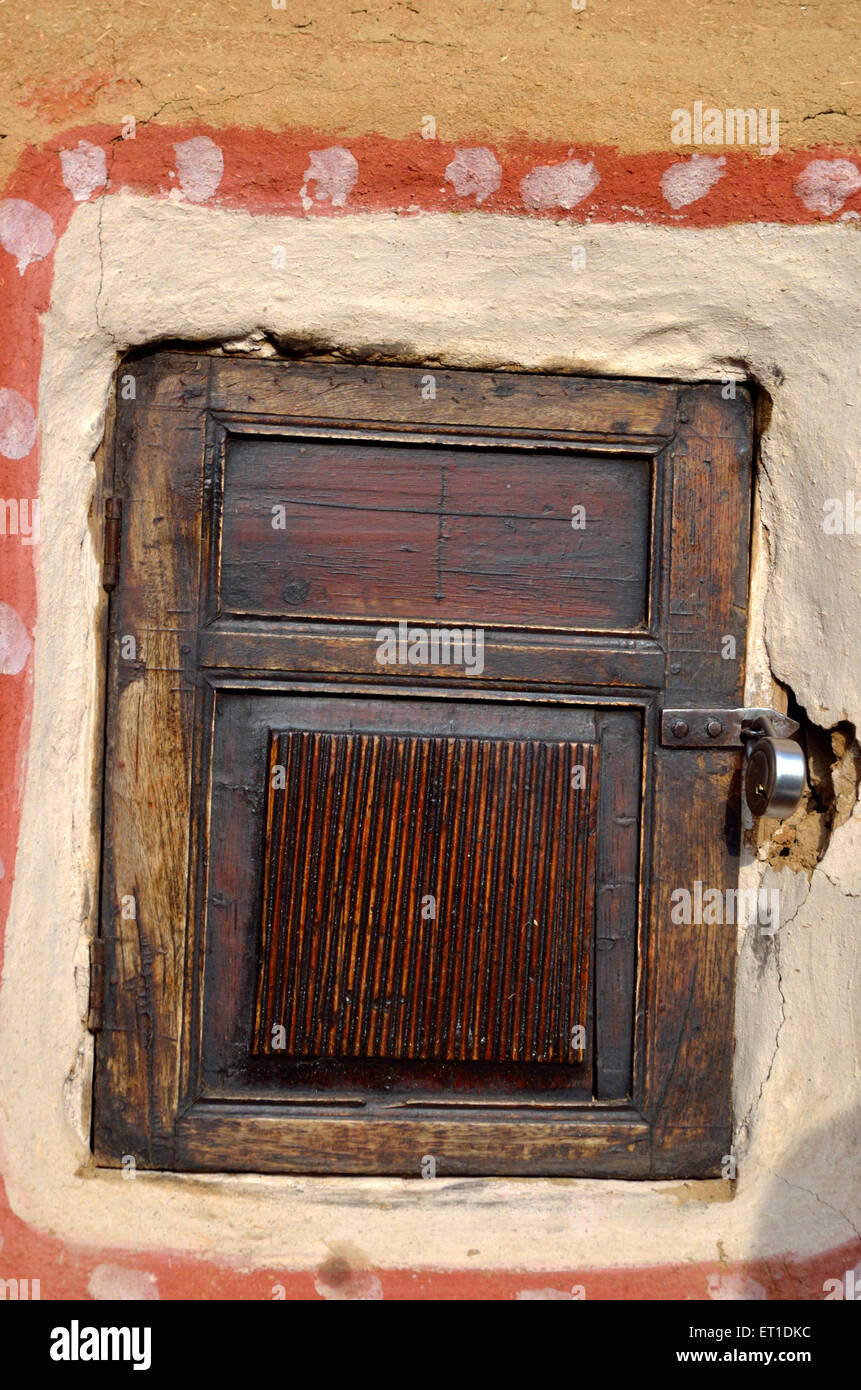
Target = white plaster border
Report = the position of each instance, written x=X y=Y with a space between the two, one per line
x=778 y=304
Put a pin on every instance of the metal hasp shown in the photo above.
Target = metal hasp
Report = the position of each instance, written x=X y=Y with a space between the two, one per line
x=774 y=778
x=718 y=728
x=775 y=771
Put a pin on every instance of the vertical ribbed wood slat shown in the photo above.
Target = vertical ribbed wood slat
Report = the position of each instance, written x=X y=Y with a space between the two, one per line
x=427 y=898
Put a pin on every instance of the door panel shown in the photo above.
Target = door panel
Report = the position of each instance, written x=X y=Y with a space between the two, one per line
x=455 y=847
x=385 y=910
x=396 y=924
x=335 y=528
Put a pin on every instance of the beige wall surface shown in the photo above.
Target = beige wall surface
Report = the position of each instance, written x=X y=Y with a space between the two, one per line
x=610 y=73
x=777 y=305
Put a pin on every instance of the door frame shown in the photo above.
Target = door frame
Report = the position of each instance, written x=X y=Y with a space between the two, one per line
x=678 y=1119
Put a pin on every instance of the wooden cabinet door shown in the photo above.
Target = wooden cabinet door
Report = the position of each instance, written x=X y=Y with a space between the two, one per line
x=390 y=830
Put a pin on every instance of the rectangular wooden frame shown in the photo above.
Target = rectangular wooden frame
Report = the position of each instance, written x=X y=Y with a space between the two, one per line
x=675 y=1120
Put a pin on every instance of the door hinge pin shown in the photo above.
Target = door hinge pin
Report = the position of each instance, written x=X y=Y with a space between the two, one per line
x=113 y=532
x=96 y=1011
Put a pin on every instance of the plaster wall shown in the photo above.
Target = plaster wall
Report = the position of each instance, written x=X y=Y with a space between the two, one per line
x=699 y=262
x=776 y=304
x=605 y=74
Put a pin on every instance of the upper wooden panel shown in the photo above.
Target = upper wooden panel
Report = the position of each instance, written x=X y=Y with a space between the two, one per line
x=338 y=528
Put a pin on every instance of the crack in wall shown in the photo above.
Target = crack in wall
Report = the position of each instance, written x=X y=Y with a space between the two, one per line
x=745 y=1126
x=833 y=766
x=829 y=1206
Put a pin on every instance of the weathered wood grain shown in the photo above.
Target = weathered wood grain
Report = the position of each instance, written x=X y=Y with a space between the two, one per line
x=150 y=729
x=335 y=528
x=689 y=975
x=556 y=1143
x=488 y=402
x=429 y=1061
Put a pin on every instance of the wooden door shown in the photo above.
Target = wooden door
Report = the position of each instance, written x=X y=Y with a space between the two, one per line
x=390 y=827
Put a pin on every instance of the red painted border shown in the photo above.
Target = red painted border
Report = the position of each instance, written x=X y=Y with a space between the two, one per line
x=64 y=1272
x=265 y=172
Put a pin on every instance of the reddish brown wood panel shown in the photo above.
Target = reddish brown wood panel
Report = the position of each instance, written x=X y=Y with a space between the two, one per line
x=336 y=528
x=428 y=898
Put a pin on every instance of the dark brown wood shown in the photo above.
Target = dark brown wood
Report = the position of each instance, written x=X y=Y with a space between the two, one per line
x=96 y=1009
x=488 y=403
x=617 y=905
x=554 y=1142
x=509 y=658
x=689 y=977
x=471 y=941
x=149 y=826
x=231 y=667
x=243 y=725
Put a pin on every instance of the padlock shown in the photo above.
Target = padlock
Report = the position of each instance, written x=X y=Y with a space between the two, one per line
x=775 y=775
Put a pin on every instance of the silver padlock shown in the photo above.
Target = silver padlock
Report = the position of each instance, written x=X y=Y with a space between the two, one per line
x=774 y=780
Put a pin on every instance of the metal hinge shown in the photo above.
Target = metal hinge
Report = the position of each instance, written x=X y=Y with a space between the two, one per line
x=96 y=1010
x=113 y=531
x=717 y=728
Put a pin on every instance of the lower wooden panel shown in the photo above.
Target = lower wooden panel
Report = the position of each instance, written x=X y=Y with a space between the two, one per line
x=229 y=1138
x=428 y=898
